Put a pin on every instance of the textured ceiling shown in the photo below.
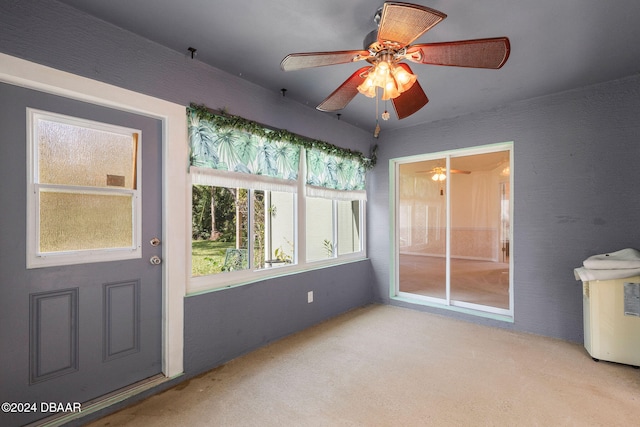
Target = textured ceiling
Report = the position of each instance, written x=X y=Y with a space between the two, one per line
x=556 y=45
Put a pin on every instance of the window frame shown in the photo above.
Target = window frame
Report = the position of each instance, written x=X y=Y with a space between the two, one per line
x=213 y=282
x=37 y=259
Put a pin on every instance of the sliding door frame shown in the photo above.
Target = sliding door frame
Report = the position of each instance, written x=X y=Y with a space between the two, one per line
x=394 y=204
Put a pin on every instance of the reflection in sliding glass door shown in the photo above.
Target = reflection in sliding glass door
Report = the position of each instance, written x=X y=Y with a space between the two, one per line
x=422 y=216
x=453 y=232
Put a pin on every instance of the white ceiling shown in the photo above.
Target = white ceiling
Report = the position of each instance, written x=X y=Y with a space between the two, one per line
x=556 y=45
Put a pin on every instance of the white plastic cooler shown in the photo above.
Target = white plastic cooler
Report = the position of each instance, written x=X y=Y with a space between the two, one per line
x=612 y=319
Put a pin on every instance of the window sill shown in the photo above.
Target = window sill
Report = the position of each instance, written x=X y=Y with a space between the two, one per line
x=206 y=284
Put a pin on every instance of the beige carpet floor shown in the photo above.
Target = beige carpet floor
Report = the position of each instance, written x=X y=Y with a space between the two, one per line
x=389 y=366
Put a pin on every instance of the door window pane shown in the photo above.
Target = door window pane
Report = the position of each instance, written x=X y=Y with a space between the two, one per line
x=84 y=204
x=83 y=221
x=81 y=156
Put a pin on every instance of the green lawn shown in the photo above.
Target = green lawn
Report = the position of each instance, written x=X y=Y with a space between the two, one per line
x=207 y=256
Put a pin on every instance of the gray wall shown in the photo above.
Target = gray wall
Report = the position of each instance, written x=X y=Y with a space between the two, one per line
x=576 y=157
x=224 y=324
x=246 y=317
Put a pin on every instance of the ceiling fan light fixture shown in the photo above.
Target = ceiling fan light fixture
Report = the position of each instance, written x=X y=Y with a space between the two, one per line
x=382 y=69
x=404 y=79
x=390 y=90
x=368 y=87
x=391 y=78
x=439 y=174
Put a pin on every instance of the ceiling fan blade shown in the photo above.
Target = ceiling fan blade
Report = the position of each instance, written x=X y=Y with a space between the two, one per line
x=410 y=101
x=344 y=93
x=298 y=61
x=402 y=23
x=459 y=171
x=480 y=53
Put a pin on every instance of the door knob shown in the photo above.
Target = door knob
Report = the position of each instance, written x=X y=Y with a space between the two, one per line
x=155 y=260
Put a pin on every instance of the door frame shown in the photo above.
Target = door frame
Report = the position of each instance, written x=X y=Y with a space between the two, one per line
x=175 y=223
x=394 y=245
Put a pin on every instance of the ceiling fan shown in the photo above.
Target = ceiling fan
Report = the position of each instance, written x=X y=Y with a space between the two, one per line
x=399 y=24
x=440 y=173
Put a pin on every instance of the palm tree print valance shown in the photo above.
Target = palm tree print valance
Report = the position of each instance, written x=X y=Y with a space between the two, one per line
x=236 y=150
x=334 y=172
x=234 y=144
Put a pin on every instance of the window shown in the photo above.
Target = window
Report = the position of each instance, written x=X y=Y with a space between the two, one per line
x=335 y=229
x=320 y=236
x=274 y=229
x=349 y=218
x=223 y=218
x=83 y=198
x=247 y=194
x=220 y=227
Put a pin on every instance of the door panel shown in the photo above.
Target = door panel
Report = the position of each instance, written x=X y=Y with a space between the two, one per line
x=422 y=217
x=73 y=333
x=478 y=274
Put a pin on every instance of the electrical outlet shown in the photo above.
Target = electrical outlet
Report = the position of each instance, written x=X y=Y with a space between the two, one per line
x=309 y=297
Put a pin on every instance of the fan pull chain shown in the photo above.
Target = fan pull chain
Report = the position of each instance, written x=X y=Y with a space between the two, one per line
x=385 y=115
x=376 y=131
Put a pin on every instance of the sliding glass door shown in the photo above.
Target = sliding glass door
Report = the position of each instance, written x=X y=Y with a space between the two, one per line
x=453 y=229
